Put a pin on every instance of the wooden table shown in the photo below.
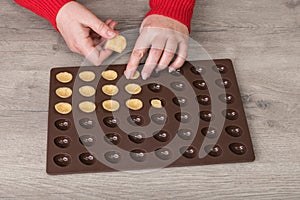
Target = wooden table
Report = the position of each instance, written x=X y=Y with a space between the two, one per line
x=261 y=37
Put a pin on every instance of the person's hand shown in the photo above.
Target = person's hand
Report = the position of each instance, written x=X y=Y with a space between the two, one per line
x=165 y=37
x=83 y=31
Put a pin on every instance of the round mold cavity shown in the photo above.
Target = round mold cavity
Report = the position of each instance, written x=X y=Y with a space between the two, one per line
x=230 y=114
x=112 y=138
x=178 y=86
x=206 y=116
x=222 y=69
x=87 y=140
x=135 y=120
x=159 y=118
x=198 y=70
x=62 y=160
x=183 y=117
x=177 y=72
x=200 y=84
x=185 y=134
x=111 y=121
x=162 y=135
x=138 y=155
x=238 y=148
x=112 y=157
x=223 y=83
x=209 y=132
x=62 y=141
x=87 y=158
x=203 y=100
x=136 y=137
x=180 y=101
x=234 y=131
x=87 y=123
x=188 y=152
x=213 y=150
x=163 y=153
x=226 y=98
x=62 y=124
x=154 y=87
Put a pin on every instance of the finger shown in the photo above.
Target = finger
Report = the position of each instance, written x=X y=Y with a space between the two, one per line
x=165 y=60
x=171 y=45
x=108 y=21
x=113 y=24
x=158 y=44
x=144 y=41
x=98 y=26
x=151 y=62
x=181 y=57
x=141 y=46
x=168 y=55
x=134 y=61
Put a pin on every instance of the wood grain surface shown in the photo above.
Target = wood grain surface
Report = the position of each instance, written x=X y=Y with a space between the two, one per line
x=261 y=37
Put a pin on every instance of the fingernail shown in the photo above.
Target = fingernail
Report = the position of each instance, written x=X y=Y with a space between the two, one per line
x=171 y=69
x=128 y=74
x=111 y=33
x=145 y=75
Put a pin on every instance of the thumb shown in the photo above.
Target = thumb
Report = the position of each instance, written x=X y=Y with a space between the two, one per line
x=101 y=28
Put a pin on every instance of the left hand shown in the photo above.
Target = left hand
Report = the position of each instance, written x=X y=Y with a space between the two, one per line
x=164 y=37
x=83 y=31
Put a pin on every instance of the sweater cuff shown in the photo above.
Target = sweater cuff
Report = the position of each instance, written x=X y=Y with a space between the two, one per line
x=180 y=10
x=44 y=8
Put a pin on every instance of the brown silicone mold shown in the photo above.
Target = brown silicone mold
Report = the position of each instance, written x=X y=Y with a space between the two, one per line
x=202 y=121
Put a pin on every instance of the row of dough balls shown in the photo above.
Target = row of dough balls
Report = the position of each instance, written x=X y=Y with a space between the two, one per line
x=109 y=105
x=88 y=91
x=88 y=76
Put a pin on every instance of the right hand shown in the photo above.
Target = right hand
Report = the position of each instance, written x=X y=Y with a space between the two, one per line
x=165 y=38
x=83 y=31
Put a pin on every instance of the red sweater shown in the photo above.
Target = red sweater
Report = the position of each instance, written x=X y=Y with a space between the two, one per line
x=180 y=10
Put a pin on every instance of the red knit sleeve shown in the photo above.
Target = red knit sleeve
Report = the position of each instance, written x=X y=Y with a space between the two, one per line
x=180 y=10
x=47 y=9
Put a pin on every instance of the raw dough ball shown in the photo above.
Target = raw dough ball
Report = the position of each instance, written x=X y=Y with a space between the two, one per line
x=63 y=92
x=87 y=106
x=134 y=104
x=87 y=76
x=63 y=108
x=117 y=44
x=111 y=105
x=87 y=91
x=156 y=103
x=109 y=75
x=110 y=90
x=133 y=88
x=64 y=77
